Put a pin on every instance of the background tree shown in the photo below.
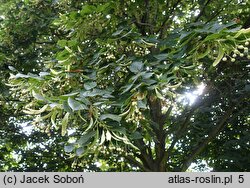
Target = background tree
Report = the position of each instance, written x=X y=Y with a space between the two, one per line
x=113 y=74
x=38 y=149
x=20 y=27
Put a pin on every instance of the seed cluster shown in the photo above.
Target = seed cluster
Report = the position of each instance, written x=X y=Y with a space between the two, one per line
x=134 y=115
x=240 y=50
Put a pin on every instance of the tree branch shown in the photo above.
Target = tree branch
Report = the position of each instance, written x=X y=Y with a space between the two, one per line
x=144 y=24
x=202 y=10
x=136 y=163
x=145 y=157
x=179 y=133
x=182 y=129
x=145 y=17
x=162 y=28
x=217 y=13
x=210 y=137
x=158 y=121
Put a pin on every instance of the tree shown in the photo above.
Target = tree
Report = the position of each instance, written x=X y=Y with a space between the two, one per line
x=113 y=73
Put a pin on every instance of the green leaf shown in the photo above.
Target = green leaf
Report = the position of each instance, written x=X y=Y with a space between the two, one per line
x=65 y=121
x=80 y=151
x=53 y=117
x=104 y=8
x=38 y=96
x=20 y=75
x=63 y=55
x=69 y=148
x=142 y=104
x=84 y=100
x=119 y=129
x=91 y=124
x=85 y=138
x=96 y=92
x=146 y=75
x=103 y=137
x=10 y=67
x=75 y=105
x=220 y=56
x=54 y=72
x=43 y=74
x=87 y=9
x=200 y=56
x=136 y=135
x=161 y=57
x=35 y=112
x=72 y=43
x=66 y=107
x=158 y=94
x=62 y=43
x=110 y=116
x=217 y=27
x=212 y=37
x=89 y=94
x=71 y=94
x=118 y=32
x=149 y=82
x=136 y=67
x=127 y=88
x=90 y=85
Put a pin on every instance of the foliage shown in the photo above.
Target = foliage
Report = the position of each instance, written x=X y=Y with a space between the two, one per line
x=113 y=73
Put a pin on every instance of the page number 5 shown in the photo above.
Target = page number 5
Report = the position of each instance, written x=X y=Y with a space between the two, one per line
x=241 y=179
